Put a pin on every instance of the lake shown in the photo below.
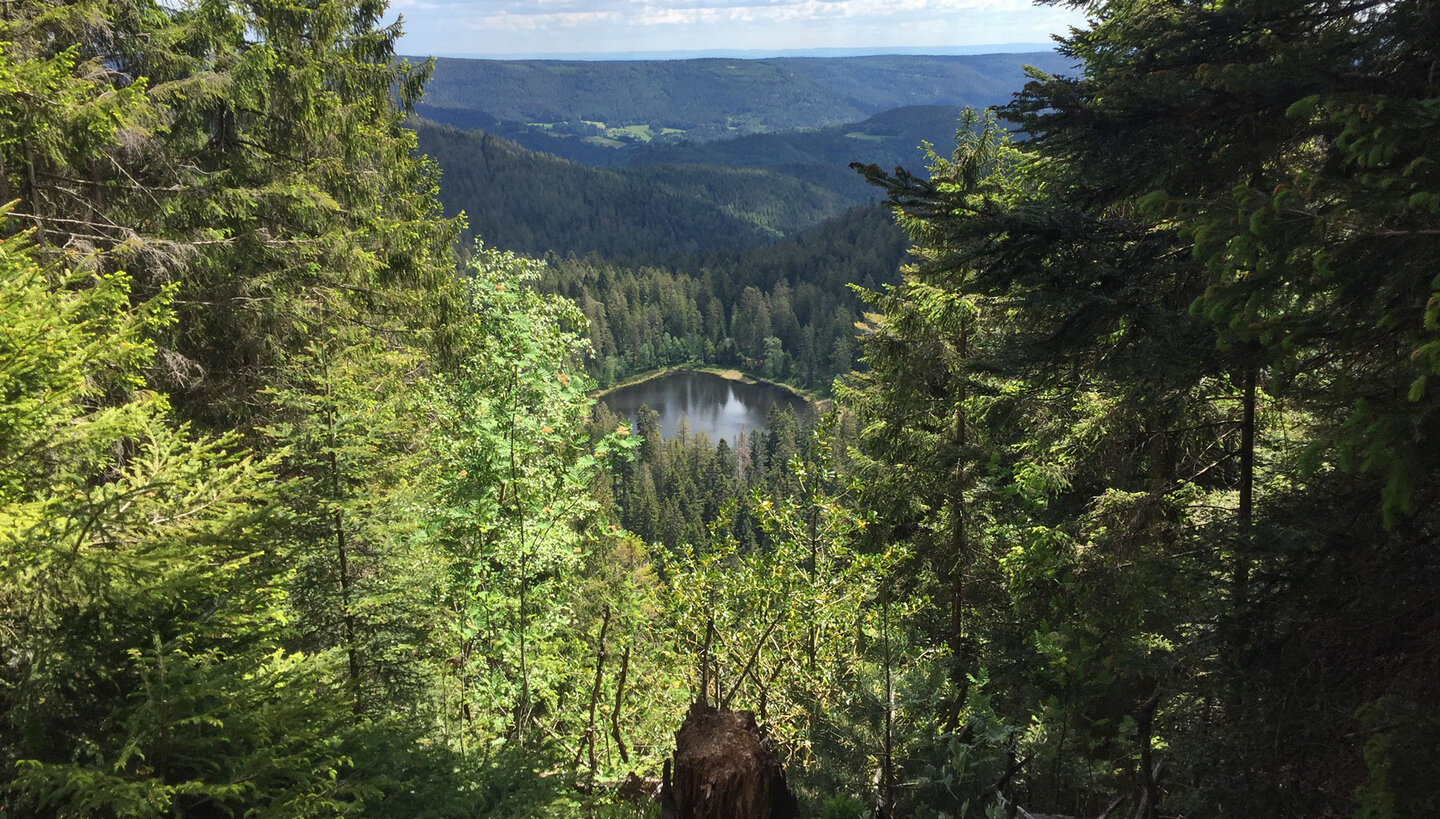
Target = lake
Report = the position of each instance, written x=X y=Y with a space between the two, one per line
x=715 y=405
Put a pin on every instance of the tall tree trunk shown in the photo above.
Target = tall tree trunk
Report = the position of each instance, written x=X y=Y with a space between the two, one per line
x=1246 y=513
x=522 y=710
x=342 y=552
x=1237 y=639
x=351 y=652
x=34 y=192
x=600 y=657
x=619 y=700
x=887 y=763
x=960 y=549
x=4 y=178
x=1150 y=799
x=811 y=635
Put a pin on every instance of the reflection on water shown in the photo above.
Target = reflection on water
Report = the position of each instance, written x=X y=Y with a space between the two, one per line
x=714 y=405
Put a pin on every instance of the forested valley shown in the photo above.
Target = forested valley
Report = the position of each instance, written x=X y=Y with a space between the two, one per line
x=1124 y=501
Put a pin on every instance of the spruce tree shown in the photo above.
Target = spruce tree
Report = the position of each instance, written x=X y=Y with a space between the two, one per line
x=146 y=672
x=1196 y=421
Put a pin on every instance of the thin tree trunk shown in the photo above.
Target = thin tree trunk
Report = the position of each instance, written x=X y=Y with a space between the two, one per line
x=342 y=551
x=619 y=699
x=960 y=548
x=351 y=653
x=1247 y=493
x=1241 y=553
x=723 y=701
x=522 y=711
x=34 y=193
x=705 y=663
x=600 y=658
x=4 y=178
x=887 y=762
x=97 y=190
x=1145 y=730
x=1058 y=766
x=812 y=635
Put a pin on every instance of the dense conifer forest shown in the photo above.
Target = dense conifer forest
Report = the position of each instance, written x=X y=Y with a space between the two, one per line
x=1127 y=504
x=537 y=203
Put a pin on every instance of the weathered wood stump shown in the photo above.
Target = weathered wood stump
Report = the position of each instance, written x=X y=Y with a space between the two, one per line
x=725 y=768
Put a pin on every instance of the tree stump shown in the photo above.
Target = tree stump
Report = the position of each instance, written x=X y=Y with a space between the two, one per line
x=725 y=768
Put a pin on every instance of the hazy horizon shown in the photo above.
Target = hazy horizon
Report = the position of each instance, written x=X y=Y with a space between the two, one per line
x=685 y=29
x=756 y=54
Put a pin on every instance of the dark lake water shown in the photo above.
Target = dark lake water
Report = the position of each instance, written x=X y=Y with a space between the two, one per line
x=718 y=406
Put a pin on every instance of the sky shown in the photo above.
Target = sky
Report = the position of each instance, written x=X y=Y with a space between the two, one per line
x=539 y=28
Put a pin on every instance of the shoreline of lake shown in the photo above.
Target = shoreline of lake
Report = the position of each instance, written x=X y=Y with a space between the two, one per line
x=722 y=403
x=820 y=403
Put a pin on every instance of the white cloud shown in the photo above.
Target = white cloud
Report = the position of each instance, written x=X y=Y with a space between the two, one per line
x=664 y=16
x=814 y=10
x=539 y=19
x=541 y=26
x=692 y=12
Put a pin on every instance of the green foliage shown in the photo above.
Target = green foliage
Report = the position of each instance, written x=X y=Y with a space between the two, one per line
x=254 y=158
x=722 y=312
x=788 y=629
x=1141 y=364
x=1398 y=754
x=351 y=424
x=841 y=806
x=145 y=672
x=515 y=518
x=1138 y=478
x=430 y=781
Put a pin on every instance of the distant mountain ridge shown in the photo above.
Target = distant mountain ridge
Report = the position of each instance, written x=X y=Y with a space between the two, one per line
x=888 y=138
x=668 y=201
x=758 y=53
x=707 y=99
x=659 y=160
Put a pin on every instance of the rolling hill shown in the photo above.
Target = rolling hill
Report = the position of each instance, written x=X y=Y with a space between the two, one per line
x=658 y=160
x=535 y=203
x=708 y=99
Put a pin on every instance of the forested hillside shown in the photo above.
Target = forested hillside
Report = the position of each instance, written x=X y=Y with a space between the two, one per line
x=888 y=139
x=673 y=203
x=823 y=113
x=715 y=98
x=784 y=312
x=637 y=190
x=534 y=203
x=1129 y=505
x=819 y=153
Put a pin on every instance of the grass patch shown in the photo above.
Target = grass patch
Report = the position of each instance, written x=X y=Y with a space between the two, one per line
x=640 y=132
